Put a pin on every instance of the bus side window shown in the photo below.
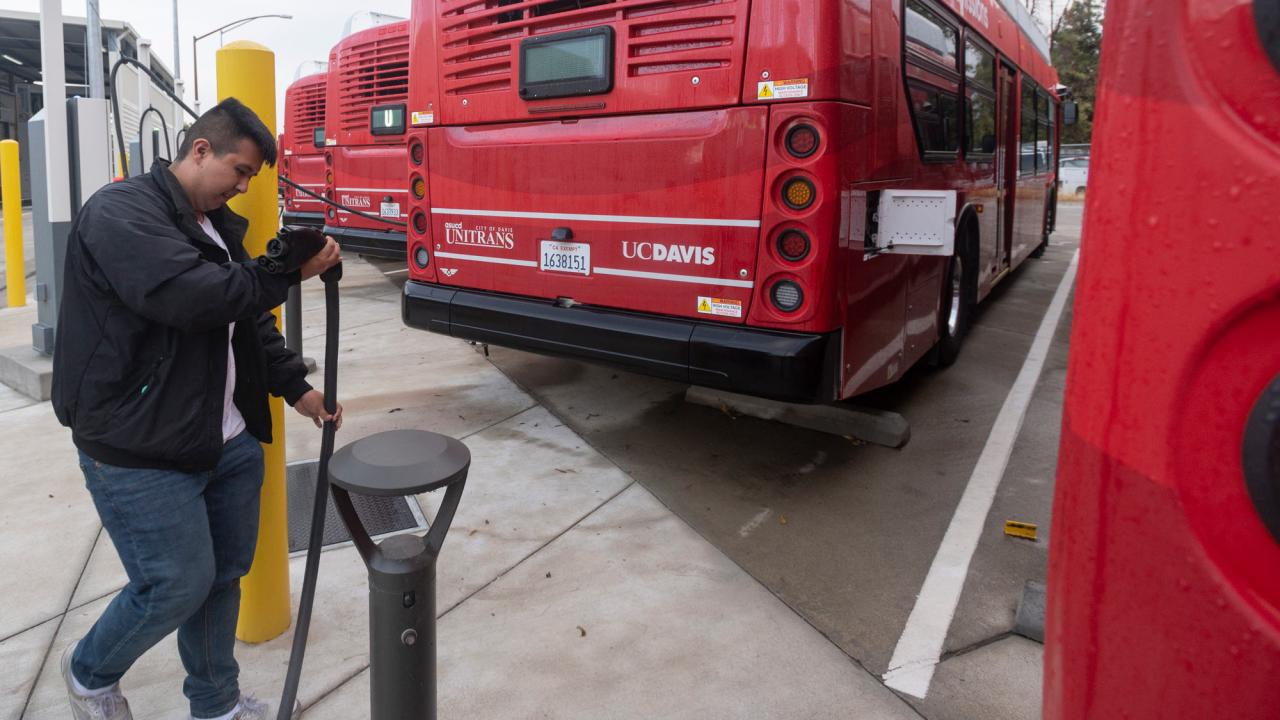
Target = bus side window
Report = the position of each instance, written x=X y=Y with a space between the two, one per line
x=931 y=58
x=1046 y=114
x=937 y=118
x=1027 y=139
x=980 y=102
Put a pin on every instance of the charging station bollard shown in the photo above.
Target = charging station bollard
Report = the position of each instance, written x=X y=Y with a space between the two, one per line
x=402 y=568
x=246 y=71
x=11 y=189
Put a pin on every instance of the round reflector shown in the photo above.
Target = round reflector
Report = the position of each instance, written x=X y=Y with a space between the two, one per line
x=419 y=188
x=802 y=141
x=798 y=193
x=328 y=158
x=420 y=222
x=415 y=153
x=331 y=213
x=793 y=245
x=421 y=258
x=328 y=176
x=787 y=296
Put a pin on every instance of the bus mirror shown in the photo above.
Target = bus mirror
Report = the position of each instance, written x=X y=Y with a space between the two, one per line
x=1070 y=113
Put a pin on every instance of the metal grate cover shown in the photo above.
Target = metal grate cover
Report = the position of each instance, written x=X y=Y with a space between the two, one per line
x=380 y=515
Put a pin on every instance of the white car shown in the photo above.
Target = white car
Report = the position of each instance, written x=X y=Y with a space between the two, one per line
x=1073 y=174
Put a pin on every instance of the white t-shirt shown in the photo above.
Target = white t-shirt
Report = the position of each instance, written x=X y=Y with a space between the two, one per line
x=232 y=420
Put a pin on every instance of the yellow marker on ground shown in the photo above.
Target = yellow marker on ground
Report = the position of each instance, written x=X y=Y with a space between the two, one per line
x=1020 y=529
x=11 y=199
x=247 y=72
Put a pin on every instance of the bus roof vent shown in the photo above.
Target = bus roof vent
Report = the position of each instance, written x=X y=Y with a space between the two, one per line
x=481 y=37
x=305 y=103
x=374 y=72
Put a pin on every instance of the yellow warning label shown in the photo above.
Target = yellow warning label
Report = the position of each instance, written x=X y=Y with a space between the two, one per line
x=720 y=306
x=1020 y=529
x=782 y=89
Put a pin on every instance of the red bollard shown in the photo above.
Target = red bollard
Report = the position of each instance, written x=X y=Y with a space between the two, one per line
x=1164 y=577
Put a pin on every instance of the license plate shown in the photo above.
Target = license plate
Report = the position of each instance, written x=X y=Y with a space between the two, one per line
x=565 y=257
x=390 y=210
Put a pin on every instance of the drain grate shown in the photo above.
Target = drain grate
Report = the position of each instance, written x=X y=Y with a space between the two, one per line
x=380 y=515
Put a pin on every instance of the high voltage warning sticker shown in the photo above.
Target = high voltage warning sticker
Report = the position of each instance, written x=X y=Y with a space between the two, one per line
x=720 y=306
x=782 y=89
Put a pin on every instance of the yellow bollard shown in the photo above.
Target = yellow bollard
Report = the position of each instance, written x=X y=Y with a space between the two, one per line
x=246 y=71
x=15 y=270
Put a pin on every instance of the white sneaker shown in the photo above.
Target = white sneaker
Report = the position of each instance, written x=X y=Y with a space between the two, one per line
x=110 y=705
x=251 y=708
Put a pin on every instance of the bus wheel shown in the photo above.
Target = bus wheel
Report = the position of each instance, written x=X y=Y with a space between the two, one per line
x=957 y=305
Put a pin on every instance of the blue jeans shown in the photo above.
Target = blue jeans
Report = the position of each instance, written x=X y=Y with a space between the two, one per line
x=185 y=540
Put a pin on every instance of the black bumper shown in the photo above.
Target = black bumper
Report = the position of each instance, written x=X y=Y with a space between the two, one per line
x=310 y=219
x=375 y=243
x=795 y=367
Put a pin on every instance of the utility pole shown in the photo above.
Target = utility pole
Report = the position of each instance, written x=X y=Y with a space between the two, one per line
x=177 y=56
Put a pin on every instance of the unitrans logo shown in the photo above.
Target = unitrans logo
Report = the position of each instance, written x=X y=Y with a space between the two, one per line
x=977 y=9
x=354 y=201
x=502 y=238
x=688 y=254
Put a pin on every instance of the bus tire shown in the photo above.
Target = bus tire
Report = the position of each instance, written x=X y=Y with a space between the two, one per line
x=958 y=302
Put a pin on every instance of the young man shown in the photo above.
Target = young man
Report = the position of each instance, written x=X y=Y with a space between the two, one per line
x=165 y=353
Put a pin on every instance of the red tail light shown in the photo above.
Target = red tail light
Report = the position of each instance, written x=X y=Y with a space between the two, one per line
x=793 y=245
x=802 y=141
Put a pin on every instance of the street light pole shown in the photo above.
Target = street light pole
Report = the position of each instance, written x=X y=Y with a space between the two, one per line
x=195 y=64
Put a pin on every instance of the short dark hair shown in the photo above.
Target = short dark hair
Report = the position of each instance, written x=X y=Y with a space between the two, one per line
x=224 y=125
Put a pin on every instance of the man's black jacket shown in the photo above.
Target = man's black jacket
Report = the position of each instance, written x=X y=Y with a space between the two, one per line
x=140 y=361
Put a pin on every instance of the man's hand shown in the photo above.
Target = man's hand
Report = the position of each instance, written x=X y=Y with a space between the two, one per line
x=328 y=256
x=312 y=405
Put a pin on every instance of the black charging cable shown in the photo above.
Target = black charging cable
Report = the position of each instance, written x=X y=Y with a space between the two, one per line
x=287 y=253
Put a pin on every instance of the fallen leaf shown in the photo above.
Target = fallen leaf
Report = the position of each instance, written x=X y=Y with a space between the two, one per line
x=582 y=632
x=565 y=471
x=782 y=519
x=394 y=410
x=548 y=574
x=473 y=532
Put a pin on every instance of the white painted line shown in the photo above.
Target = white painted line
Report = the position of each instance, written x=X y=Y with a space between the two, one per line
x=920 y=646
x=713 y=222
x=396 y=272
x=487 y=259
x=755 y=522
x=726 y=282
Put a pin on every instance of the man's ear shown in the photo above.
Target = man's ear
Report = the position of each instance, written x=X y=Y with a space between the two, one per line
x=201 y=148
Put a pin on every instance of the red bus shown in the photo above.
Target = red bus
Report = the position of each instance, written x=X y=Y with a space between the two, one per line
x=797 y=205
x=365 y=125
x=1164 y=570
x=302 y=149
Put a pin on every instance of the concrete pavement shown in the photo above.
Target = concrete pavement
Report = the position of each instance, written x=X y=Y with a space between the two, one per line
x=566 y=590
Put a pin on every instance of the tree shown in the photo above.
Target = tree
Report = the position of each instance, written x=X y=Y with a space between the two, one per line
x=1076 y=47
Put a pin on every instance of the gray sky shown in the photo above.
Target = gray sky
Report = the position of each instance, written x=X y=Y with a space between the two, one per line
x=315 y=28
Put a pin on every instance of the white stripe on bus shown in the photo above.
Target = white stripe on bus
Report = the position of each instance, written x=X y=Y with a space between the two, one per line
x=487 y=259
x=650 y=220
x=726 y=282
x=377 y=190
